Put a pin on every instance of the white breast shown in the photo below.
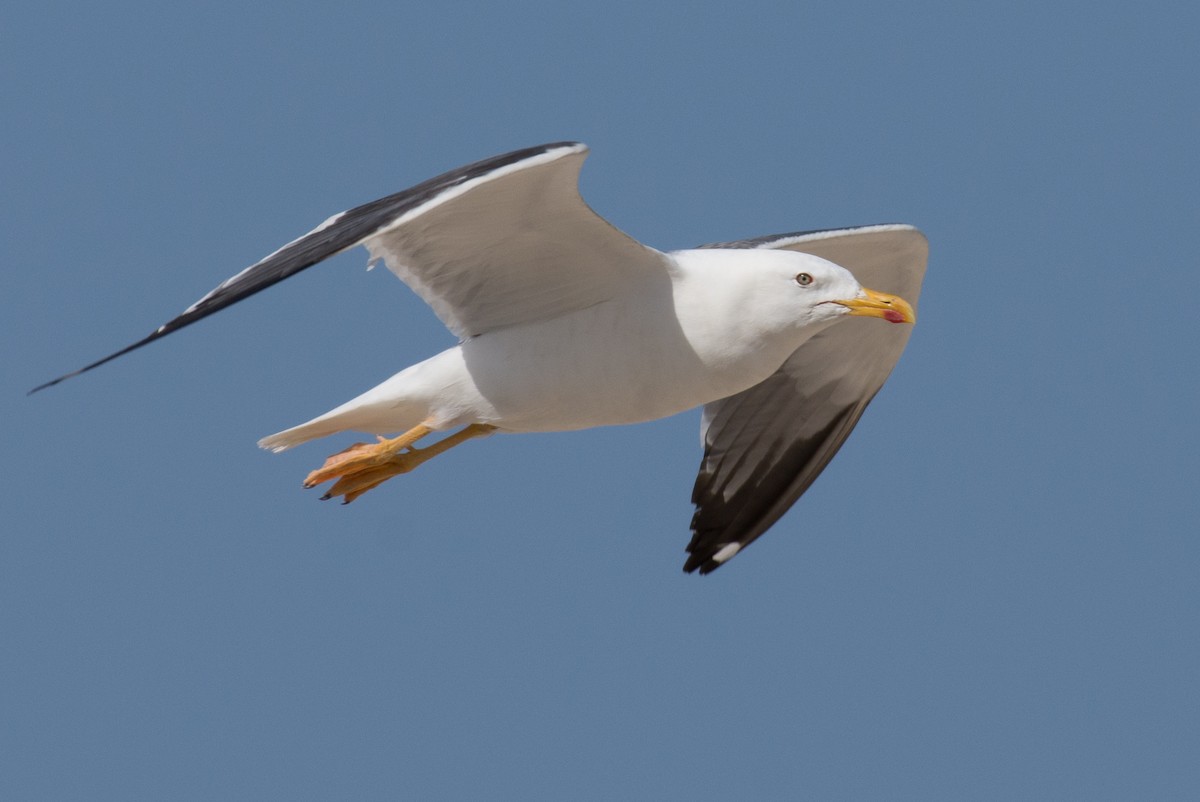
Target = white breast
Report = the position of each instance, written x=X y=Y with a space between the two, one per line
x=653 y=353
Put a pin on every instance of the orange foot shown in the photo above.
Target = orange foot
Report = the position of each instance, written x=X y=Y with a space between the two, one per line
x=355 y=459
x=352 y=485
x=364 y=466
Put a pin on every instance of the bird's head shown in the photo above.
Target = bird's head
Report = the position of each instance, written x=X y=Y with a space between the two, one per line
x=755 y=307
x=802 y=290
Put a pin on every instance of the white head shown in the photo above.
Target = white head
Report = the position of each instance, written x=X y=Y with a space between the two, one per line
x=780 y=290
x=744 y=311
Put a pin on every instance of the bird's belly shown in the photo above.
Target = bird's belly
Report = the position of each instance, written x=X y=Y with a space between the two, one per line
x=588 y=370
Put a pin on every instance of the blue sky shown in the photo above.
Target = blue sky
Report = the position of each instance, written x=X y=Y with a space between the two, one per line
x=990 y=594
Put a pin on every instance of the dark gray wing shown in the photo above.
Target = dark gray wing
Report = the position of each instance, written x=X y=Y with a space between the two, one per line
x=500 y=241
x=763 y=447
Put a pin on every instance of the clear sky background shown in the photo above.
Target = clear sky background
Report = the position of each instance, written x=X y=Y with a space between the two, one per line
x=990 y=594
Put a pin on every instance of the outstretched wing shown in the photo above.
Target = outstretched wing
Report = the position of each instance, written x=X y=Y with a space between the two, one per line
x=764 y=446
x=502 y=241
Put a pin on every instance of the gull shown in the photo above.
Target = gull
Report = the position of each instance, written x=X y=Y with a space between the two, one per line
x=564 y=323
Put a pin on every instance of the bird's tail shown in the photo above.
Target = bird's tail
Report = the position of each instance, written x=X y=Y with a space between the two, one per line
x=282 y=441
x=385 y=409
x=349 y=417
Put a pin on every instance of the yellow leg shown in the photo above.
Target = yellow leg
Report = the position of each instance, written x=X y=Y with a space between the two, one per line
x=362 y=456
x=358 y=480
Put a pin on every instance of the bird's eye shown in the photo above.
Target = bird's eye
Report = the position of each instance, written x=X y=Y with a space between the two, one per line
x=804 y=279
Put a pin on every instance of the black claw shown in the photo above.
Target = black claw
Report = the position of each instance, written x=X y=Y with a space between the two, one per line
x=326 y=497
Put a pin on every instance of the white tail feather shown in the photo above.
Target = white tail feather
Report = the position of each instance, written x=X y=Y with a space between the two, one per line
x=282 y=441
x=353 y=416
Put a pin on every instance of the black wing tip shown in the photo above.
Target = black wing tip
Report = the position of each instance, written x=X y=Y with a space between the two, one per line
x=159 y=332
x=225 y=295
x=702 y=560
x=51 y=383
x=59 y=380
x=702 y=567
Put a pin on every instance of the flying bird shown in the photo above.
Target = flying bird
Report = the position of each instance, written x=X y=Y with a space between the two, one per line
x=564 y=322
